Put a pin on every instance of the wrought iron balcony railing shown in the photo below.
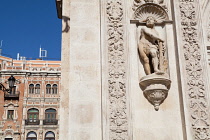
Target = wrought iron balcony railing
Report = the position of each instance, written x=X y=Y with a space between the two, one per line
x=12 y=95
x=50 y=122
x=32 y=122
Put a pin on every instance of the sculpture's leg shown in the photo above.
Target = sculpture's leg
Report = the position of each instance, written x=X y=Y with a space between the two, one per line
x=146 y=65
x=145 y=60
x=153 y=53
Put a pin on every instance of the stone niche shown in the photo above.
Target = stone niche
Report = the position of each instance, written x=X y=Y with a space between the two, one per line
x=151 y=18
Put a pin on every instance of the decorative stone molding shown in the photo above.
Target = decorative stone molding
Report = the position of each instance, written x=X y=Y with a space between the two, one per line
x=155 y=88
x=195 y=89
x=118 y=112
x=10 y=133
x=10 y=106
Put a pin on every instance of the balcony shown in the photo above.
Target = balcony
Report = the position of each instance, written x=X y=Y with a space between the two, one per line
x=50 y=122
x=32 y=122
x=11 y=96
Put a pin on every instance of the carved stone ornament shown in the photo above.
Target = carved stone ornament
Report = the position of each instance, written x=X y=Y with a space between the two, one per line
x=152 y=53
x=155 y=88
x=118 y=112
x=150 y=9
x=195 y=90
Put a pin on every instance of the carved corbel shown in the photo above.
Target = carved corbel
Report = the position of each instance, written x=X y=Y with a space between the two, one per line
x=155 y=88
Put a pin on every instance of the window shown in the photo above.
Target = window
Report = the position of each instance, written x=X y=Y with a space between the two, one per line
x=54 y=89
x=31 y=136
x=37 y=89
x=50 y=117
x=33 y=115
x=31 y=88
x=10 y=114
x=49 y=136
x=50 y=114
x=48 y=88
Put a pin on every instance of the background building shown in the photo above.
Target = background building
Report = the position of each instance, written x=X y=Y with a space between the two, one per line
x=32 y=112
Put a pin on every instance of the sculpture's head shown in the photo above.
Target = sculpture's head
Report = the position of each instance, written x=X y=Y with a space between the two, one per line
x=150 y=21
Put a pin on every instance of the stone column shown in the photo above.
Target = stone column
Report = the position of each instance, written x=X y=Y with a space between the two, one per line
x=64 y=90
x=80 y=109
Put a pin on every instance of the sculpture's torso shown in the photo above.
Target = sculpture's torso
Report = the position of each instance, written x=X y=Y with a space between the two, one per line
x=146 y=41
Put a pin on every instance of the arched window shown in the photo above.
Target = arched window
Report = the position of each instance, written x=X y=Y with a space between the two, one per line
x=48 y=88
x=50 y=117
x=37 y=89
x=50 y=114
x=31 y=88
x=33 y=116
x=31 y=136
x=49 y=136
x=54 y=89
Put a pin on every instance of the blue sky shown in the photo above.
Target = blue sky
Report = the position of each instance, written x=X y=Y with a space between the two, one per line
x=27 y=24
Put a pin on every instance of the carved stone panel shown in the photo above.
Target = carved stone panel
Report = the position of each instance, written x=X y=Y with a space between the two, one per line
x=117 y=96
x=195 y=89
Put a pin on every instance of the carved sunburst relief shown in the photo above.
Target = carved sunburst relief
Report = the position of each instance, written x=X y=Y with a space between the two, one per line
x=150 y=9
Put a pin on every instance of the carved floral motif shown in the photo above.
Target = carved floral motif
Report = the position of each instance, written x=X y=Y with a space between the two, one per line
x=195 y=85
x=118 y=128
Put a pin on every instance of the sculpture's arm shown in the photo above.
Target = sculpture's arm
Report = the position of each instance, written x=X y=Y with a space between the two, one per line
x=151 y=34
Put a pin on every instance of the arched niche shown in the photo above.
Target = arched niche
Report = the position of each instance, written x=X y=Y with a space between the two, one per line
x=162 y=32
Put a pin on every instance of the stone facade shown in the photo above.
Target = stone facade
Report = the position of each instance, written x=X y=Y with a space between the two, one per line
x=36 y=110
x=137 y=69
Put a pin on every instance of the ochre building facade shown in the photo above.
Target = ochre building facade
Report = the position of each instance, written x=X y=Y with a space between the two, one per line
x=32 y=111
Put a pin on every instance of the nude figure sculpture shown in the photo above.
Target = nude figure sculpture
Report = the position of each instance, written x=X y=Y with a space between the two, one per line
x=149 y=46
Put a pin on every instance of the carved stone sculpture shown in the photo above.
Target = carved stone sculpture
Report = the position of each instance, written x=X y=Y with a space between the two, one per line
x=152 y=51
x=149 y=47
